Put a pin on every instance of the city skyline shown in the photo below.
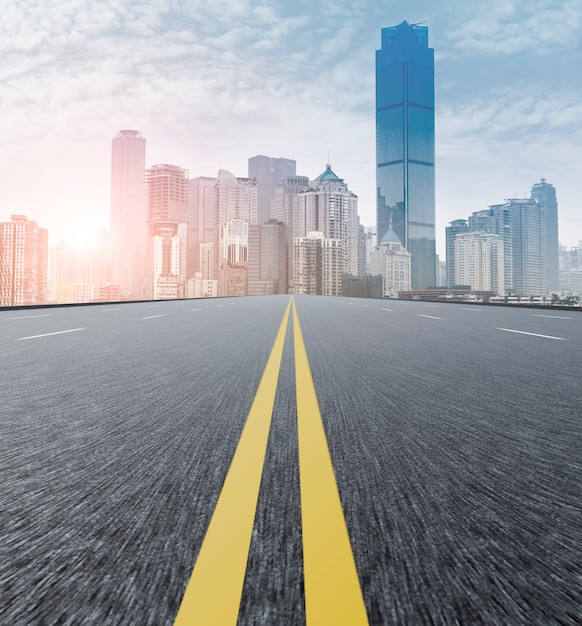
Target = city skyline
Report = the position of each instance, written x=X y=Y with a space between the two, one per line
x=210 y=88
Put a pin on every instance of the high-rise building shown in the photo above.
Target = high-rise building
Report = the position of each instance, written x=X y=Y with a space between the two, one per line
x=168 y=188
x=307 y=264
x=62 y=269
x=392 y=261
x=545 y=194
x=571 y=270
x=128 y=212
x=234 y=247
x=405 y=145
x=328 y=206
x=201 y=220
x=23 y=262
x=318 y=265
x=234 y=199
x=497 y=220
x=528 y=228
x=479 y=261
x=268 y=172
x=268 y=258
x=451 y=231
x=168 y=194
x=285 y=208
x=169 y=260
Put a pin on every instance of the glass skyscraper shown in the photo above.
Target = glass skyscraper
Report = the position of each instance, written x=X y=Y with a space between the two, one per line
x=405 y=139
x=545 y=194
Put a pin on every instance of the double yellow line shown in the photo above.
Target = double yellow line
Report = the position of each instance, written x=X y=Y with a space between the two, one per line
x=332 y=589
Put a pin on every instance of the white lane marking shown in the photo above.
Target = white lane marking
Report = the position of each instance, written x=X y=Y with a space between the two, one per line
x=196 y=309
x=151 y=317
x=26 y=317
x=468 y=309
x=556 y=317
x=432 y=317
x=386 y=309
x=434 y=306
x=523 y=332
x=217 y=306
x=107 y=310
x=59 y=332
x=367 y=306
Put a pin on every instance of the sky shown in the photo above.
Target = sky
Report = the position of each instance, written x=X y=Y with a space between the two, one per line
x=210 y=84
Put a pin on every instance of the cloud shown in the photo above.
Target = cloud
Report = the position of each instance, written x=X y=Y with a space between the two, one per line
x=513 y=27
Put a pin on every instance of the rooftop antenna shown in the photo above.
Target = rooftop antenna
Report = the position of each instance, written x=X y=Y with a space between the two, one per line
x=418 y=23
x=328 y=161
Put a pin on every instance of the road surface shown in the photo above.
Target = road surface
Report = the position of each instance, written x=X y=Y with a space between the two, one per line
x=453 y=432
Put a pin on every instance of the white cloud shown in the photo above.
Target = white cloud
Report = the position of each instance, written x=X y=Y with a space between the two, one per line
x=506 y=28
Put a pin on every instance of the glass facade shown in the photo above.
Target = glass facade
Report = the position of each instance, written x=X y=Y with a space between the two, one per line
x=545 y=194
x=405 y=139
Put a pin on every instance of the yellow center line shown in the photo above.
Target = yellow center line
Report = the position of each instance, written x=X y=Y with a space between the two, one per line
x=332 y=588
x=214 y=591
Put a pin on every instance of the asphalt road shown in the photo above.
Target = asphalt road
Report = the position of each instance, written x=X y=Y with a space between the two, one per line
x=454 y=432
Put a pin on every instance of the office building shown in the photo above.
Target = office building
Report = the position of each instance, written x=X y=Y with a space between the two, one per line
x=285 y=208
x=405 y=145
x=201 y=220
x=235 y=199
x=128 y=212
x=545 y=194
x=268 y=258
x=268 y=172
x=528 y=232
x=23 y=262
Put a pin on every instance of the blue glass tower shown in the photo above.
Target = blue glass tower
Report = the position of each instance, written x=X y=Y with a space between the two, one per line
x=405 y=145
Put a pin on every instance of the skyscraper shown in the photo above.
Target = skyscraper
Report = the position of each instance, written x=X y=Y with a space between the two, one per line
x=405 y=141
x=328 y=206
x=168 y=194
x=285 y=208
x=168 y=201
x=201 y=220
x=528 y=232
x=128 y=212
x=268 y=258
x=268 y=172
x=545 y=194
x=235 y=204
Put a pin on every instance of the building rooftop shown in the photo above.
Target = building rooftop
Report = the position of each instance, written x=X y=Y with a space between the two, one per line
x=390 y=237
x=329 y=175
